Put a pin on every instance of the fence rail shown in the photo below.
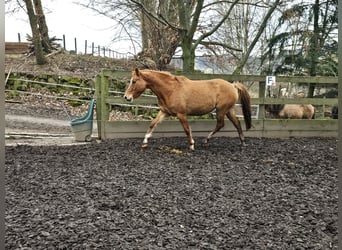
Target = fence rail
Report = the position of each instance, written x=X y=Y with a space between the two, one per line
x=58 y=97
x=262 y=127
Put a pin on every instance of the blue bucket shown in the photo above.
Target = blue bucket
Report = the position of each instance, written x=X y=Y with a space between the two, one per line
x=82 y=127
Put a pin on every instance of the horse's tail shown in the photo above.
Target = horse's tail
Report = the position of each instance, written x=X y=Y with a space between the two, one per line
x=245 y=100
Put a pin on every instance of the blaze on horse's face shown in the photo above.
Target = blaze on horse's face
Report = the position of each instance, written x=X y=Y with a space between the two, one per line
x=136 y=86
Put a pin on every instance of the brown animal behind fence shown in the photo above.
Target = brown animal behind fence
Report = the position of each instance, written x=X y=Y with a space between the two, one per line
x=291 y=111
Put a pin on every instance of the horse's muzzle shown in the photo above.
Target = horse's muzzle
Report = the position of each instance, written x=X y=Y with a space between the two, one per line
x=129 y=99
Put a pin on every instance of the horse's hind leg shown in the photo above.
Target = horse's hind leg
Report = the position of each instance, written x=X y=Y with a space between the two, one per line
x=232 y=117
x=160 y=117
x=219 y=125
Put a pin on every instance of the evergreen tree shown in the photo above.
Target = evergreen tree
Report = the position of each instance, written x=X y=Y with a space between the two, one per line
x=304 y=42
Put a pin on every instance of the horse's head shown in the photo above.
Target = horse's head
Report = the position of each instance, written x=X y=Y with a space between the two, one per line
x=136 y=86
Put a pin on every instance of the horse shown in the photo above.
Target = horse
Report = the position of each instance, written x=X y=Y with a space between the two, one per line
x=291 y=111
x=179 y=96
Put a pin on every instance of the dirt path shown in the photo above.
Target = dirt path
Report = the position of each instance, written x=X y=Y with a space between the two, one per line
x=39 y=131
x=273 y=194
x=38 y=125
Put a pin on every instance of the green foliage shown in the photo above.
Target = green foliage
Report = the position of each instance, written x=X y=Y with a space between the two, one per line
x=54 y=43
x=40 y=83
x=328 y=67
x=11 y=94
x=117 y=85
x=18 y=85
x=75 y=103
x=293 y=51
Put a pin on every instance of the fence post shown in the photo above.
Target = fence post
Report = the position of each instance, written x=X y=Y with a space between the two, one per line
x=261 y=115
x=75 y=46
x=64 y=42
x=98 y=104
x=262 y=88
x=85 y=47
x=104 y=107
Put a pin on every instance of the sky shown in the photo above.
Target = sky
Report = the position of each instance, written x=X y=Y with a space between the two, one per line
x=69 y=19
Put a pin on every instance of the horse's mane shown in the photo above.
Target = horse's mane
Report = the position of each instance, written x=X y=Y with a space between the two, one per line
x=165 y=74
x=156 y=72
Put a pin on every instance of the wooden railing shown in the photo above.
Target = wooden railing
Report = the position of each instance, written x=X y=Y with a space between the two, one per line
x=262 y=127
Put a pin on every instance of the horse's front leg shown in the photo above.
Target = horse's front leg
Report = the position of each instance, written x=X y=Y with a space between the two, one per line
x=160 y=117
x=184 y=121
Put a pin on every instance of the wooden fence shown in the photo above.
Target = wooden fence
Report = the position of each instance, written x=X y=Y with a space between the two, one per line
x=261 y=126
x=14 y=48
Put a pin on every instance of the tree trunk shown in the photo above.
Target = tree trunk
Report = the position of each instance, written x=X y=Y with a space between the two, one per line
x=314 y=48
x=188 y=21
x=159 y=41
x=145 y=24
x=43 y=29
x=188 y=56
x=38 y=49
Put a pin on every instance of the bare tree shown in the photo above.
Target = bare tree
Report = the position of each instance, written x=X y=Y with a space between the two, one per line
x=239 y=30
x=166 y=24
x=190 y=26
x=136 y=22
x=42 y=26
x=36 y=36
x=40 y=34
x=261 y=29
x=123 y=18
x=159 y=41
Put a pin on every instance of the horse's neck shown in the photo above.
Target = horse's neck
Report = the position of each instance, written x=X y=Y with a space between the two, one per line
x=159 y=85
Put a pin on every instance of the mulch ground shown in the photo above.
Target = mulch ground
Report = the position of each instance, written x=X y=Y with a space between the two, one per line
x=272 y=194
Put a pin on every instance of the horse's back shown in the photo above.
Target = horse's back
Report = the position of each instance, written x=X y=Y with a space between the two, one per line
x=209 y=87
x=202 y=96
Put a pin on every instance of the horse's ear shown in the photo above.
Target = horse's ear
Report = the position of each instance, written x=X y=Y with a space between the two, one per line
x=137 y=71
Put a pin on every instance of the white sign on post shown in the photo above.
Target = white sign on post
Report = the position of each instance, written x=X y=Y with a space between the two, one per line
x=270 y=81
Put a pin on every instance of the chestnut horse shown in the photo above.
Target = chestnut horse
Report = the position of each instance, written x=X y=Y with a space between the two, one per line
x=179 y=96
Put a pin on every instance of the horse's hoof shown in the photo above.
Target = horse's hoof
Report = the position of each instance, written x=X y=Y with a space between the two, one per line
x=144 y=145
x=205 y=141
x=192 y=147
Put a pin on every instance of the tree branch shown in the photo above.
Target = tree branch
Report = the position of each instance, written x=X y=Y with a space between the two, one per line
x=158 y=18
x=223 y=45
x=218 y=25
x=194 y=23
x=256 y=38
